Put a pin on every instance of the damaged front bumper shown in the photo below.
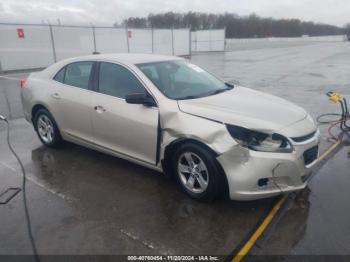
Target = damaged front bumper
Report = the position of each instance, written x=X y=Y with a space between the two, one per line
x=253 y=175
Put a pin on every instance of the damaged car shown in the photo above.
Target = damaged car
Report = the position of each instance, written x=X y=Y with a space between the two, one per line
x=170 y=115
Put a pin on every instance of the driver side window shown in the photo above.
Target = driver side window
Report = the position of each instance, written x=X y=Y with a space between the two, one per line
x=117 y=81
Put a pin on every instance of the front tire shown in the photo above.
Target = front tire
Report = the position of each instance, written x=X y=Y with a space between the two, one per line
x=46 y=128
x=197 y=172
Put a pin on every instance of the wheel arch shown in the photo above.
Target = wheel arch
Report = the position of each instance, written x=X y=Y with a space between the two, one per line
x=170 y=149
x=38 y=107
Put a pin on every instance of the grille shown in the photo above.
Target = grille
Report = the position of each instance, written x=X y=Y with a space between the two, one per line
x=303 y=138
x=310 y=155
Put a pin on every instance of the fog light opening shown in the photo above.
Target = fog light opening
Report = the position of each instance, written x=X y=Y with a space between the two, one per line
x=263 y=182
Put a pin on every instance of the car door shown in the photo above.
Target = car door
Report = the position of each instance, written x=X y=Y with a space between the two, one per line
x=71 y=100
x=127 y=129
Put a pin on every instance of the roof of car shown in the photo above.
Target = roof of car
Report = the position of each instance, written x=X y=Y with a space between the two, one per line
x=129 y=58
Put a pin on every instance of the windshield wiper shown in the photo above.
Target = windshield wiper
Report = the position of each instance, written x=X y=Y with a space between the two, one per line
x=188 y=97
x=230 y=85
x=217 y=91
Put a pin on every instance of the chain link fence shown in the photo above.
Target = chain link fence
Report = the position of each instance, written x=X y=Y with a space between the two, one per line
x=29 y=46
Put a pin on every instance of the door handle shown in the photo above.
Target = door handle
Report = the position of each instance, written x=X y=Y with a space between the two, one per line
x=55 y=95
x=99 y=109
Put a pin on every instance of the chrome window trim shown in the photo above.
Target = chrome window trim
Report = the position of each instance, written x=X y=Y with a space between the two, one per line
x=133 y=72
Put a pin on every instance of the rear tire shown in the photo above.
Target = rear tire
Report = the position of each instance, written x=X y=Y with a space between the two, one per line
x=46 y=128
x=197 y=172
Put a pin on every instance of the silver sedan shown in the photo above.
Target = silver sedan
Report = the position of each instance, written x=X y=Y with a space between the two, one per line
x=170 y=115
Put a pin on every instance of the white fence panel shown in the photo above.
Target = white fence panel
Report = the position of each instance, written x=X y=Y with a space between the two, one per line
x=248 y=43
x=181 y=41
x=72 y=41
x=201 y=41
x=162 y=41
x=208 y=40
x=33 y=46
x=111 y=40
x=140 y=40
x=217 y=40
x=33 y=50
x=331 y=38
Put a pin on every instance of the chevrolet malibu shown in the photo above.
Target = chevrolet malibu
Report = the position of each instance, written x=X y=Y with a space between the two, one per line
x=170 y=115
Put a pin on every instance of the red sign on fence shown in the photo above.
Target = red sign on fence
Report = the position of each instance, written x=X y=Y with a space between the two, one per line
x=20 y=32
x=129 y=34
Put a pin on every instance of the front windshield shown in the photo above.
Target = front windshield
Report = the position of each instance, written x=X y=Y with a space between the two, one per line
x=182 y=80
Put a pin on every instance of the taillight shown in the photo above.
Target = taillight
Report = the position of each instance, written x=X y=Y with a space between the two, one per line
x=22 y=82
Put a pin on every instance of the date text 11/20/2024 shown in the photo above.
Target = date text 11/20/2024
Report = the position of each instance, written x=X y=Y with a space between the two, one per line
x=173 y=258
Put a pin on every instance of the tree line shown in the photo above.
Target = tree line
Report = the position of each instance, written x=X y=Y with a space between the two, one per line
x=236 y=26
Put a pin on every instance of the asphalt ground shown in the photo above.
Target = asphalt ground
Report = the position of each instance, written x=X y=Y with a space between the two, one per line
x=315 y=224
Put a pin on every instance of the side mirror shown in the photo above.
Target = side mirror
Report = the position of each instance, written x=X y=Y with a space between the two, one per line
x=140 y=99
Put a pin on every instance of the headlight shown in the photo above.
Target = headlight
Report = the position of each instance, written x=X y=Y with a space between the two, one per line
x=259 y=141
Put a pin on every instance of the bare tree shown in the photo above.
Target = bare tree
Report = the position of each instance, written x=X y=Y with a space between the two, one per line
x=236 y=26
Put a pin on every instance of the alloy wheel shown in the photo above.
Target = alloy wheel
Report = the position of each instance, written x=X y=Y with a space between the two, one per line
x=45 y=129
x=193 y=172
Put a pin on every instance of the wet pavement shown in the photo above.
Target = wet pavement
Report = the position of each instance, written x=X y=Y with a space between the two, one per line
x=85 y=202
x=317 y=222
x=10 y=102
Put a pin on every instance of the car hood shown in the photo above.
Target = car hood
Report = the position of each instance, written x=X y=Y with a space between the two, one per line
x=247 y=108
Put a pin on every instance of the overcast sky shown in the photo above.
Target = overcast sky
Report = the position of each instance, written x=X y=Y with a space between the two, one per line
x=106 y=12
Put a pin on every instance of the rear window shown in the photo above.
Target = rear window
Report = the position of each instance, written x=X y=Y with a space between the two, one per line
x=59 y=77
